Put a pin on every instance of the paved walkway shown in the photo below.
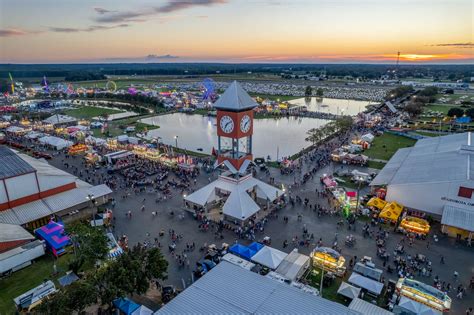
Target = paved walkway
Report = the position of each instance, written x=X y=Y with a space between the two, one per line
x=145 y=227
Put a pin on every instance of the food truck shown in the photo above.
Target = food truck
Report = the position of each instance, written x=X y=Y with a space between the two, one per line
x=329 y=259
x=414 y=225
x=423 y=293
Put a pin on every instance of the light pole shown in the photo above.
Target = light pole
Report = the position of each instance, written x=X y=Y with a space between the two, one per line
x=359 y=181
x=321 y=284
x=91 y=198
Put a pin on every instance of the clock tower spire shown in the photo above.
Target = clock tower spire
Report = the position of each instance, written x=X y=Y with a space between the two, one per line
x=234 y=126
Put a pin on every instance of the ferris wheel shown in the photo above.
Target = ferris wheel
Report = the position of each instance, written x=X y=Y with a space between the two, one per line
x=111 y=86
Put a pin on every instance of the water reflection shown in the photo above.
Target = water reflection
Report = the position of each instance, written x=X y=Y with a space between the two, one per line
x=332 y=105
x=282 y=137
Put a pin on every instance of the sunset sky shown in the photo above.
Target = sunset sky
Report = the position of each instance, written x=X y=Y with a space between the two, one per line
x=307 y=31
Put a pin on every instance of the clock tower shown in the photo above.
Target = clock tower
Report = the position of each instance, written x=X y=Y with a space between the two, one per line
x=234 y=126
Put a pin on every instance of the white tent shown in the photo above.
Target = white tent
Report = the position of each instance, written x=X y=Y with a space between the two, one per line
x=55 y=142
x=294 y=265
x=33 y=135
x=239 y=204
x=348 y=290
x=367 y=308
x=15 y=129
x=368 y=137
x=269 y=257
x=142 y=310
x=416 y=307
x=370 y=285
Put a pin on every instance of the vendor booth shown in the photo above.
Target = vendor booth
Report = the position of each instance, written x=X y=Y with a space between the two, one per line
x=269 y=257
x=79 y=148
x=242 y=251
x=391 y=212
x=55 y=237
x=414 y=225
x=294 y=265
x=376 y=203
x=55 y=142
x=424 y=294
x=329 y=259
x=371 y=286
x=348 y=290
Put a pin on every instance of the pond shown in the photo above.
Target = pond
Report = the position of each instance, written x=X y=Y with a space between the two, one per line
x=332 y=105
x=272 y=137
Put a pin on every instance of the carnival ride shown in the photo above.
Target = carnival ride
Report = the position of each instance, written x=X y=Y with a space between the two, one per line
x=111 y=86
x=209 y=89
x=45 y=84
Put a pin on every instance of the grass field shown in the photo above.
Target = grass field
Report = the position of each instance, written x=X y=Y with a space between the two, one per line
x=121 y=83
x=117 y=127
x=386 y=145
x=349 y=184
x=439 y=108
x=28 y=278
x=88 y=112
x=330 y=292
x=375 y=164
x=282 y=98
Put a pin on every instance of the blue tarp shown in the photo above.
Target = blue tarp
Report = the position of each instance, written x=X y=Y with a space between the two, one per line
x=126 y=306
x=68 y=279
x=463 y=120
x=255 y=246
x=242 y=251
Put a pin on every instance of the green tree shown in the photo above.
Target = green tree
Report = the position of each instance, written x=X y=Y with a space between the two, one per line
x=308 y=91
x=130 y=273
x=319 y=92
x=470 y=112
x=429 y=91
x=344 y=123
x=314 y=135
x=90 y=245
x=414 y=108
x=455 y=111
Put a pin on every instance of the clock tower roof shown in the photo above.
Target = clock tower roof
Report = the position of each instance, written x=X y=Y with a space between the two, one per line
x=235 y=99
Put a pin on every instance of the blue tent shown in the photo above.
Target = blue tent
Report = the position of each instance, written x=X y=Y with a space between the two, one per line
x=242 y=251
x=463 y=120
x=126 y=306
x=255 y=246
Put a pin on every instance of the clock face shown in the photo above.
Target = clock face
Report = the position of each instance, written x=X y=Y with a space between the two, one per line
x=227 y=124
x=245 y=123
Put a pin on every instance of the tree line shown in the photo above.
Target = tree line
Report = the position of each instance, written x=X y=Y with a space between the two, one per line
x=103 y=280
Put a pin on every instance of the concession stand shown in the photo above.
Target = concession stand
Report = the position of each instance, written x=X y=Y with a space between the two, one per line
x=423 y=293
x=414 y=225
x=329 y=259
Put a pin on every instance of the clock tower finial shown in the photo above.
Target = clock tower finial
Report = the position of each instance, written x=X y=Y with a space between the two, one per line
x=234 y=126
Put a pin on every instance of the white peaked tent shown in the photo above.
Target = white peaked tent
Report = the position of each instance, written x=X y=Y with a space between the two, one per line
x=416 y=307
x=269 y=257
x=348 y=290
x=142 y=310
x=239 y=204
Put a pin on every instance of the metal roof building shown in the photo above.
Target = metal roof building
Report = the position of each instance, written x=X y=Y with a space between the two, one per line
x=230 y=289
x=12 y=165
x=32 y=189
x=436 y=176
